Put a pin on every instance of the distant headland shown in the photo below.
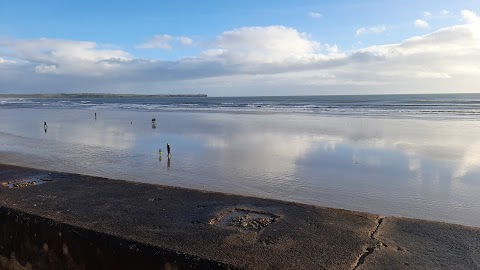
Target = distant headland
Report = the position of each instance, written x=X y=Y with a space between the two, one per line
x=96 y=95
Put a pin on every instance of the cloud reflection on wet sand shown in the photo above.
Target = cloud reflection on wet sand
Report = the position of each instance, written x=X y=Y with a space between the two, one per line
x=417 y=168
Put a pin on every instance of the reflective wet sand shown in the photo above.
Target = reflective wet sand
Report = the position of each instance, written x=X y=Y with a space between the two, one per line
x=426 y=169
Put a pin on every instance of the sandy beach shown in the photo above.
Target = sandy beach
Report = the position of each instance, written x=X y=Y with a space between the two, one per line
x=405 y=167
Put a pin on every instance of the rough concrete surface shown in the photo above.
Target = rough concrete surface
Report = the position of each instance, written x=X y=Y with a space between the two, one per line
x=182 y=228
x=418 y=244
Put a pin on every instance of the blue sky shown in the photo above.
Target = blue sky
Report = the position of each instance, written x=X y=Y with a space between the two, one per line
x=225 y=48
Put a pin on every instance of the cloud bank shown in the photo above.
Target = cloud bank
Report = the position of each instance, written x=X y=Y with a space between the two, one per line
x=272 y=60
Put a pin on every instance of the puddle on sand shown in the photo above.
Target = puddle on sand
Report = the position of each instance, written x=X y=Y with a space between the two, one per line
x=26 y=182
x=244 y=219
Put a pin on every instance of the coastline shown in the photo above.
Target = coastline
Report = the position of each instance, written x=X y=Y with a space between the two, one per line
x=192 y=229
x=96 y=95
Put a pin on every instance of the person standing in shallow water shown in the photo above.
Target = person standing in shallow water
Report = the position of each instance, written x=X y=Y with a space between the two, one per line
x=168 y=150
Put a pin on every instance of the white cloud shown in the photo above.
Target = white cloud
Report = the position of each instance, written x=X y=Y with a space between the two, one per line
x=448 y=53
x=421 y=24
x=378 y=29
x=3 y=61
x=372 y=30
x=360 y=31
x=265 y=45
x=315 y=15
x=427 y=14
x=42 y=68
x=333 y=49
x=164 y=42
x=64 y=56
x=444 y=12
x=158 y=41
x=470 y=17
x=262 y=60
x=185 y=40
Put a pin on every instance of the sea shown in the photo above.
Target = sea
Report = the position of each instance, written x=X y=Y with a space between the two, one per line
x=415 y=156
x=444 y=106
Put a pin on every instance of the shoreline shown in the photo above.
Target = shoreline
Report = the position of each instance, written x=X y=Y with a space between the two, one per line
x=192 y=229
x=96 y=95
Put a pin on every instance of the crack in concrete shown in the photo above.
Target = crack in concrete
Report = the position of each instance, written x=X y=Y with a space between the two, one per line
x=370 y=249
x=379 y=222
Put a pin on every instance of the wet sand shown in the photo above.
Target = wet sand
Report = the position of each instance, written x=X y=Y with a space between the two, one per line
x=416 y=168
x=196 y=229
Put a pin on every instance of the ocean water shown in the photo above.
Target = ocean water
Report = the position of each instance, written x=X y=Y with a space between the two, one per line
x=419 y=106
x=409 y=155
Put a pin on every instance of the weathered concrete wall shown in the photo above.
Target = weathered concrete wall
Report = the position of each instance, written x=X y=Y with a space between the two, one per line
x=32 y=242
x=52 y=220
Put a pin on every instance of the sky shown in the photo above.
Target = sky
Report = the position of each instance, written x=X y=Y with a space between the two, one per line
x=240 y=48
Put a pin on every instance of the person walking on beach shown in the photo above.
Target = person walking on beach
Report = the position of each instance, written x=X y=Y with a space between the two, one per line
x=45 y=124
x=168 y=150
x=95 y=116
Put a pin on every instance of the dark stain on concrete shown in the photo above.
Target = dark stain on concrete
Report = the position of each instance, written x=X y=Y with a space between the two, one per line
x=243 y=218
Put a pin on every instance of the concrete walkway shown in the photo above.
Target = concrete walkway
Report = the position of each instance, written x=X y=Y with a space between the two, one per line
x=81 y=222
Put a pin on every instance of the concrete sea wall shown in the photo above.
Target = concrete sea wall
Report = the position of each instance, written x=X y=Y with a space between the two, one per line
x=53 y=220
x=33 y=242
